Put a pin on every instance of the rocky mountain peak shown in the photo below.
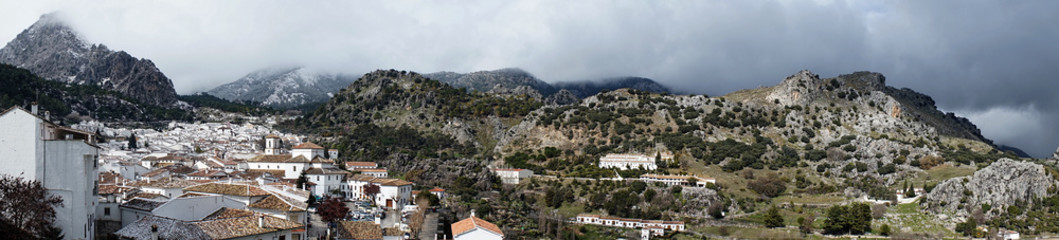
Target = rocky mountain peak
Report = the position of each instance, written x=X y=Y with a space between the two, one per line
x=53 y=50
x=286 y=86
x=796 y=89
x=1000 y=184
x=1056 y=154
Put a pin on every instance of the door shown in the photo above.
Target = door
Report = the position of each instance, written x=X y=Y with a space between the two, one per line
x=389 y=203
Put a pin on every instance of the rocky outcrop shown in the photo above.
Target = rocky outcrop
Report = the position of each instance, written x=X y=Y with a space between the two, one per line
x=283 y=87
x=585 y=89
x=563 y=97
x=797 y=89
x=1056 y=154
x=502 y=81
x=54 y=51
x=1000 y=185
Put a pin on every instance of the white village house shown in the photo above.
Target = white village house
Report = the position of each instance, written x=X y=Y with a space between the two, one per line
x=64 y=160
x=512 y=175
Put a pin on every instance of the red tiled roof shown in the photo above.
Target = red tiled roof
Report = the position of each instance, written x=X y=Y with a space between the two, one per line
x=473 y=222
x=228 y=189
x=437 y=190
x=308 y=145
x=361 y=164
x=359 y=230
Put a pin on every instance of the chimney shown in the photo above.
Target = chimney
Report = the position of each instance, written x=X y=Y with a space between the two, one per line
x=261 y=222
x=33 y=108
x=154 y=232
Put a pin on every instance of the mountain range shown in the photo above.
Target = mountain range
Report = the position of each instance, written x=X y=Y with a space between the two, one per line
x=51 y=49
x=283 y=87
x=514 y=81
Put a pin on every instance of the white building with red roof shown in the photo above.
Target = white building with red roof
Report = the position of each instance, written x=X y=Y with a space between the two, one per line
x=474 y=228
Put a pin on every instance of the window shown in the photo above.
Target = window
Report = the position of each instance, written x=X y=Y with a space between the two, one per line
x=106 y=211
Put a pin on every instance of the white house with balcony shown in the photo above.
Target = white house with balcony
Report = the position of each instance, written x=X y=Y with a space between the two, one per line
x=64 y=160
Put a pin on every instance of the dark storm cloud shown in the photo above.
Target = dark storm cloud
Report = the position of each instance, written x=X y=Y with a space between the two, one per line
x=991 y=61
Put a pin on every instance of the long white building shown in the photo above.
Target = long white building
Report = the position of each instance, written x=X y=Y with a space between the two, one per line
x=627 y=161
x=64 y=160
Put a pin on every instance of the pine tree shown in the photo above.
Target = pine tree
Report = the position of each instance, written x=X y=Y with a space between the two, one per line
x=132 y=141
x=773 y=218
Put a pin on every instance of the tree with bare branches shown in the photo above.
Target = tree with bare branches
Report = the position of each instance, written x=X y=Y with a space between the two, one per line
x=26 y=208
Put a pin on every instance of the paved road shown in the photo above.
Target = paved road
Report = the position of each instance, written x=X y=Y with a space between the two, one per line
x=318 y=229
x=430 y=227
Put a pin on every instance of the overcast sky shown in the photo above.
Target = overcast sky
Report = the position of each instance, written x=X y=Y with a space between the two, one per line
x=992 y=61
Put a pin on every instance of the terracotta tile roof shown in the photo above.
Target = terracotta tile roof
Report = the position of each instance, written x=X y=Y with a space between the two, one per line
x=391 y=231
x=142 y=204
x=208 y=173
x=110 y=177
x=372 y=170
x=228 y=189
x=390 y=182
x=167 y=229
x=147 y=195
x=107 y=189
x=270 y=158
x=190 y=194
x=271 y=136
x=228 y=213
x=308 y=145
x=171 y=169
x=319 y=159
x=223 y=224
x=235 y=227
x=362 y=178
x=226 y=228
x=362 y=164
x=163 y=183
x=274 y=172
x=325 y=171
x=275 y=203
x=473 y=222
x=359 y=230
x=437 y=190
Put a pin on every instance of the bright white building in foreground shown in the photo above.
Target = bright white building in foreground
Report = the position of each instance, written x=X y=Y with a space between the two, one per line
x=64 y=160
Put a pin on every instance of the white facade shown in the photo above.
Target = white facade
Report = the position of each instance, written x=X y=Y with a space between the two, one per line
x=512 y=175
x=64 y=160
x=682 y=180
x=326 y=181
x=308 y=153
x=629 y=223
x=478 y=234
x=272 y=145
x=374 y=172
x=195 y=208
x=627 y=161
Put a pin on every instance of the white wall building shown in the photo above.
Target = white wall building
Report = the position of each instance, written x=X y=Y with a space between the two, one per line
x=326 y=180
x=627 y=161
x=512 y=175
x=375 y=172
x=474 y=228
x=628 y=222
x=64 y=160
x=682 y=180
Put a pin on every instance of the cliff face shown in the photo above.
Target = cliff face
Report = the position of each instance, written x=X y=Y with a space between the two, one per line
x=53 y=50
x=1000 y=185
